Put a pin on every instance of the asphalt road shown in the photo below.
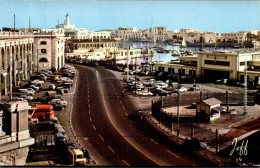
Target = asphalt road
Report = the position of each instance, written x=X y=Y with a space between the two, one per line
x=103 y=122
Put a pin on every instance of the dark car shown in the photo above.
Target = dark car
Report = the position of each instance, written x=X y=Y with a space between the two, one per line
x=56 y=107
x=164 y=93
x=232 y=83
x=195 y=87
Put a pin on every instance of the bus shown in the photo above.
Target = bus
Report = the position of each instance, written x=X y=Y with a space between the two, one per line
x=41 y=112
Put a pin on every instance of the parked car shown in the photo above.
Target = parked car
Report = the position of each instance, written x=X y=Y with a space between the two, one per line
x=144 y=93
x=56 y=107
x=232 y=83
x=19 y=99
x=164 y=92
x=26 y=92
x=27 y=97
x=37 y=82
x=52 y=86
x=181 y=89
x=60 y=90
x=59 y=101
x=221 y=81
x=34 y=87
x=195 y=87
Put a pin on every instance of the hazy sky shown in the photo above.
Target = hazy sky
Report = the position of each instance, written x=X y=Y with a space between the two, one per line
x=217 y=16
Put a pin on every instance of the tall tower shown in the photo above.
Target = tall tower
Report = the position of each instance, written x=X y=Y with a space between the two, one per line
x=67 y=20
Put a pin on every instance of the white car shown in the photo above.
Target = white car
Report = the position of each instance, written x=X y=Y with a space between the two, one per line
x=25 y=91
x=19 y=99
x=144 y=93
x=34 y=87
x=37 y=82
x=27 y=97
x=52 y=86
x=31 y=89
x=181 y=89
x=59 y=101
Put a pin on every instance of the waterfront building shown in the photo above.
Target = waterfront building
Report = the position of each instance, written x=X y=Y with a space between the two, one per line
x=125 y=33
x=90 y=48
x=209 y=37
x=214 y=65
x=160 y=33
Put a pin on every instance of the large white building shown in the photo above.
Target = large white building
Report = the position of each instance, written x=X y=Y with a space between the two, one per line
x=217 y=65
x=125 y=33
x=160 y=33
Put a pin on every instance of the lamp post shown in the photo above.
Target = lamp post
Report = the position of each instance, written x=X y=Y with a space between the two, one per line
x=135 y=75
x=245 y=91
x=178 y=116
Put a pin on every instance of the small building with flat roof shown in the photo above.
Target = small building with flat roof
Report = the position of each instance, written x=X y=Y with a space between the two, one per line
x=209 y=109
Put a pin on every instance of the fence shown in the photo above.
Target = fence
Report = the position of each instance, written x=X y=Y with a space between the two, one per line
x=186 y=126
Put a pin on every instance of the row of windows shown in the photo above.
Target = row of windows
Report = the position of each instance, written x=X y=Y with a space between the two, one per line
x=213 y=62
x=180 y=71
x=45 y=43
x=243 y=63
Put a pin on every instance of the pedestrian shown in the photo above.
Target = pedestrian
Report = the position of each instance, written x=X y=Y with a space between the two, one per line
x=123 y=94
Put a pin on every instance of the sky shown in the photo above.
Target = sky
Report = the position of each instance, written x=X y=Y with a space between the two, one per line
x=212 y=16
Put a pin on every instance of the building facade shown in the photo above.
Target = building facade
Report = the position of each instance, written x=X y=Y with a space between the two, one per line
x=22 y=54
x=213 y=65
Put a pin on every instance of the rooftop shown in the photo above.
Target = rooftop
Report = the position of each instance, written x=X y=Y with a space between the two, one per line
x=212 y=101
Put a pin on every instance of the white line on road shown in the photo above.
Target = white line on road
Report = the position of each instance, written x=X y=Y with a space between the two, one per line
x=125 y=137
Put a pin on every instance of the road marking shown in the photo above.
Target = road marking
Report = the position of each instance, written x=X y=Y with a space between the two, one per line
x=94 y=127
x=111 y=149
x=173 y=154
x=154 y=141
x=126 y=114
x=89 y=111
x=88 y=105
x=101 y=137
x=88 y=100
x=120 y=102
x=126 y=163
x=125 y=137
x=123 y=107
x=90 y=119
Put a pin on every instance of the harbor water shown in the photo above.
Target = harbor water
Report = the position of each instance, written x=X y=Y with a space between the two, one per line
x=163 y=56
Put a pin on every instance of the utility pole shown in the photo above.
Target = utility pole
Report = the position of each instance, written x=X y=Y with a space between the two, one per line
x=178 y=116
x=14 y=22
x=135 y=75
x=37 y=61
x=245 y=94
x=127 y=65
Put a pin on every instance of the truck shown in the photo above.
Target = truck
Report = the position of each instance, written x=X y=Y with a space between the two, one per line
x=76 y=157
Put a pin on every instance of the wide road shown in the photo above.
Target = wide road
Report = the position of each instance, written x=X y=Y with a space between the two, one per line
x=102 y=122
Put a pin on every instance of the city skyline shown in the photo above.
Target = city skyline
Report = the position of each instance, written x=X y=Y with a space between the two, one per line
x=218 y=16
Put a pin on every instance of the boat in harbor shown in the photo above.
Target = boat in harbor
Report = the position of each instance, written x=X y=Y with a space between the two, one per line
x=176 y=53
x=183 y=44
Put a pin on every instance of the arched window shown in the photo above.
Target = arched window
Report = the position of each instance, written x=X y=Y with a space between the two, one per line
x=43 y=50
x=43 y=42
x=43 y=60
